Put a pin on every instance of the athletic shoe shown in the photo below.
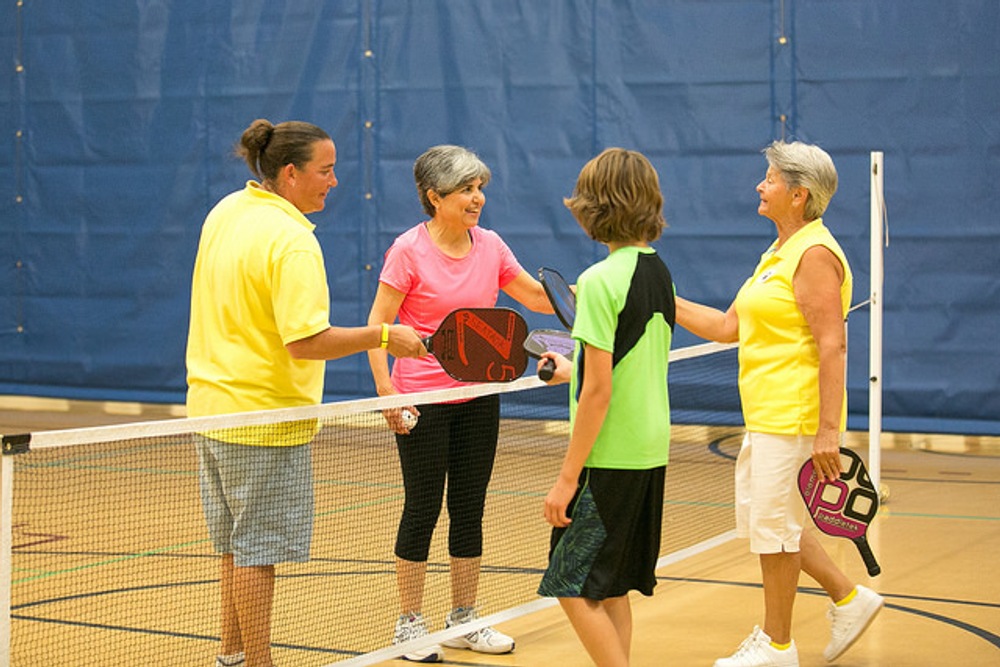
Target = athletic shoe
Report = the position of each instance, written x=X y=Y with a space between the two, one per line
x=483 y=640
x=412 y=626
x=849 y=621
x=234 y=660
x=756 y=651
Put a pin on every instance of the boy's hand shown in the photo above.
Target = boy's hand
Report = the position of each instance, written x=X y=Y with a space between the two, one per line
x=557 y=501
x=562 y=370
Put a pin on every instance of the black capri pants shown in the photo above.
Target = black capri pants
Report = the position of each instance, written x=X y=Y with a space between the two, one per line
x=454 y=443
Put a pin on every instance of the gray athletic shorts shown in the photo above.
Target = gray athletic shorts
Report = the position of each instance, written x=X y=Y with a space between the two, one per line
x=258 y=501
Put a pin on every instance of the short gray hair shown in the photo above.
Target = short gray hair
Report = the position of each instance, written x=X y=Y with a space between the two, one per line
x=807 y=166
x=445 y=169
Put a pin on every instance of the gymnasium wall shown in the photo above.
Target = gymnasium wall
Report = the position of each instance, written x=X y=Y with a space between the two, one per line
x=119 y=119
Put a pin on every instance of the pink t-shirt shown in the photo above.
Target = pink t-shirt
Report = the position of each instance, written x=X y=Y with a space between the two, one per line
x=436 y=284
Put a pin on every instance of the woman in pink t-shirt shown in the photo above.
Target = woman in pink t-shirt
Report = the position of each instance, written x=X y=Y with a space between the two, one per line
x=445 y=263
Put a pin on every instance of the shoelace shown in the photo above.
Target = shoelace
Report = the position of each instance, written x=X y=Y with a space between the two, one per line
x=837 y=625
x=411 y=629
x=466 y=617
x=749 y=644
x=485 y=634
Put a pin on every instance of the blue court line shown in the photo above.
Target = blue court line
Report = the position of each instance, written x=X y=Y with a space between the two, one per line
x=389 y=569
x=982 y=633
x=941 y=480
x=176 y=635
x=38 y=575
x=696 y=503
x=948 y=517
x=961 y=625
x=112 y=561
x=97 y=468
x=382 y=567
x=215 y=640
x=974 y=630
x=28 y=462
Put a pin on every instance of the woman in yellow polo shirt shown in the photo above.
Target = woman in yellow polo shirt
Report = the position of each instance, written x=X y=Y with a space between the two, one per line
x=789 y=320
x=257 y=340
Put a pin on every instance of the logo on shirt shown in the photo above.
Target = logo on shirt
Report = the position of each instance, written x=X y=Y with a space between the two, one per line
x=764 y=277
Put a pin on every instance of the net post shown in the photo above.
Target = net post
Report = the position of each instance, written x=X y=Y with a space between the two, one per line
x=6 y=554
x=875 y=322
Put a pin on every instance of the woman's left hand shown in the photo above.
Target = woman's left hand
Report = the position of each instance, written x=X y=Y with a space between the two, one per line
x=398 y=421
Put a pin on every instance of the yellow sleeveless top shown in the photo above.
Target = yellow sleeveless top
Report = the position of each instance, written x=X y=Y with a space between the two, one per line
x=779 y=361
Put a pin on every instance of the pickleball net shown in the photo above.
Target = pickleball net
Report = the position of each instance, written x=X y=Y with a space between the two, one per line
x=107 y=560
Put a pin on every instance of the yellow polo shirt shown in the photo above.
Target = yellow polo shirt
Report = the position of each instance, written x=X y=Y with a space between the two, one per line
x=259 y=282
x=779 y=361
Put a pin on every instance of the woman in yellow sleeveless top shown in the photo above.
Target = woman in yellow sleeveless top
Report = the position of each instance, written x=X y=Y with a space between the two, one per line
x=789 y=320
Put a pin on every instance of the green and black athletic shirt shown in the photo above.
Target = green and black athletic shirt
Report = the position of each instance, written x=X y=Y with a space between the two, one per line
x=625 y=306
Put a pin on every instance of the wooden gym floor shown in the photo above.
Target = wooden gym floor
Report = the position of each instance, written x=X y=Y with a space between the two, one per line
x=937 y=540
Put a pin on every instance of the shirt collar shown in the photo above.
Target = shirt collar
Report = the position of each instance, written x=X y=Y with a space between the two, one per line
x=257 y=191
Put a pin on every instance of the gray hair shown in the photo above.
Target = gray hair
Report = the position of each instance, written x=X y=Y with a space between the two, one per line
x=445 y=169
x=807 y=166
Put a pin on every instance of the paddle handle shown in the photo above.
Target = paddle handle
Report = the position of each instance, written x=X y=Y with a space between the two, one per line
x=867 y=556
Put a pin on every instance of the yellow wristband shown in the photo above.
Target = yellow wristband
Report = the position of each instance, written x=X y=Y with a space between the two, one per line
x=385 y=336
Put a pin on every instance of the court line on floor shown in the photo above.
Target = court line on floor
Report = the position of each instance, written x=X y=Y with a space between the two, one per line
x=964 y=626
x=975 y=630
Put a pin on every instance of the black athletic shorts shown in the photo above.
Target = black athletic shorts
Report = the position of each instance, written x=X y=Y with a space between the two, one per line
x=613 y=542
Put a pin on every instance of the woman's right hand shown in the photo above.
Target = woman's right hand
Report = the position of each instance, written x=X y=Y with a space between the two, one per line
x=404 y=342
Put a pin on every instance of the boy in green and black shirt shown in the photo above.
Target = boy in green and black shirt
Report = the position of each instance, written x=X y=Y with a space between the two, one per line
x=606 y=505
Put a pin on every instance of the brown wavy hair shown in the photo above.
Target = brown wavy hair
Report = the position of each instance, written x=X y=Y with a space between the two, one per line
x=617 y=198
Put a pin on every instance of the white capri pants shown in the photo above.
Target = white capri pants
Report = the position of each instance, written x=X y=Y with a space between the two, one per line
x=769 y=509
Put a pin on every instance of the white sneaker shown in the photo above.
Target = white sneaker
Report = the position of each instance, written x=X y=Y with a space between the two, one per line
x=848 y=622
x=412 y=626
x=756 y=651
x=234 y=660
x=483 y=640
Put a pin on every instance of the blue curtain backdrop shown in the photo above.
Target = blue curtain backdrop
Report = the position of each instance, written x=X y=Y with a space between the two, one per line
x=119 y=119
